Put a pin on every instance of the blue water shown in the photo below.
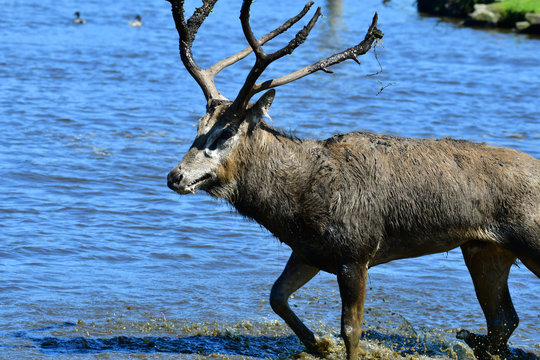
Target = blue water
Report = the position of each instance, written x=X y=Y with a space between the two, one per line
x=94 y=116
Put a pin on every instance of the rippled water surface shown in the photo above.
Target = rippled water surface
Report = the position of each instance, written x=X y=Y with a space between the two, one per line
x=101 y=259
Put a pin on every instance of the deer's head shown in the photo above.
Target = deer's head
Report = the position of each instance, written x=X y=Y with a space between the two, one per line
x=227 y=125
x=207 y=164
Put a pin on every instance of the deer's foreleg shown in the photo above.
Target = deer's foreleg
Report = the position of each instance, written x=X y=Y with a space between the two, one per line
x=352 y=287
x=294 y=276
x=489 y=266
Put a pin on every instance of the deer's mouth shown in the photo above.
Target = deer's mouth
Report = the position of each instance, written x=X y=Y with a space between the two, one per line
x=196 y=183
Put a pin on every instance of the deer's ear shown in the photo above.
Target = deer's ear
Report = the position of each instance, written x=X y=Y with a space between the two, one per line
x=262 y=105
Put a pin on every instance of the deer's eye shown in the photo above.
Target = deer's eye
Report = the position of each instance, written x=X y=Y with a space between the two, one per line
x=224 y=136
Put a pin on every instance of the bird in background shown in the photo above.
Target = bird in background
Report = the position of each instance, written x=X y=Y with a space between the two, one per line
x=78 y=19
x=137 y=22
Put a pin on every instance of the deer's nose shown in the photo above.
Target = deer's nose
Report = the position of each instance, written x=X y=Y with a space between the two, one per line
x=173 y=179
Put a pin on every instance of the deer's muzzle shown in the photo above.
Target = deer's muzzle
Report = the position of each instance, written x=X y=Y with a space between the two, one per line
x=183 y=183
x=174 y=179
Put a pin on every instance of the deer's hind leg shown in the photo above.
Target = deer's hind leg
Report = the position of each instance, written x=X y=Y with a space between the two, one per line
x=489 y=266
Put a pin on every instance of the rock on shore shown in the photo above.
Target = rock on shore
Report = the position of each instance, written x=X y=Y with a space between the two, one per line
x=530 y=25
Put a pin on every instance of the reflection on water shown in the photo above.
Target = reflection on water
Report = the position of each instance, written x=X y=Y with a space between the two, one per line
x=100 y=259
x=334 y=13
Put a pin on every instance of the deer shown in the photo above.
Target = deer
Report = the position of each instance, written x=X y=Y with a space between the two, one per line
x=359 y=199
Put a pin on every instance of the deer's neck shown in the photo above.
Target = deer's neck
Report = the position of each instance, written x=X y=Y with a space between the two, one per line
x=272 y=171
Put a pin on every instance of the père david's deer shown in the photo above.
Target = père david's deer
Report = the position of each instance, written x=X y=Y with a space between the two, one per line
x=359 y=199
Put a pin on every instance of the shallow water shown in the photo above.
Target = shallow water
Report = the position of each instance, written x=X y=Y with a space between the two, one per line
x=100 y=259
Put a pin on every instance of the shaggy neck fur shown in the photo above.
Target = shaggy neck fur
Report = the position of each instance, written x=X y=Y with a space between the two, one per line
x=264 y=180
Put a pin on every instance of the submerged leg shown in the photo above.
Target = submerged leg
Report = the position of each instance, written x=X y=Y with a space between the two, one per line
x=352 y=287
x=294 y=276
x=489 y=266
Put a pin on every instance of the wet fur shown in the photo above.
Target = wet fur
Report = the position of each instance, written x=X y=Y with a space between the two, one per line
x=360 y=199
x=377 y=198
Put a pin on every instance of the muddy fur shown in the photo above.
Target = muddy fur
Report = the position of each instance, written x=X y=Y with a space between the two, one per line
x=360 y=199
x=378 y=198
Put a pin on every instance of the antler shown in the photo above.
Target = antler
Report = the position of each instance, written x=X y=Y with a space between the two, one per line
x=206 y=77
x=352 y=53
x=187 y=31
x=250 y=87
x=263 y=59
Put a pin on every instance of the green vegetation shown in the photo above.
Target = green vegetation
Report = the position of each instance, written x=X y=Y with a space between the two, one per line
x=519 y=6
x=461 y=8
x=512 y=11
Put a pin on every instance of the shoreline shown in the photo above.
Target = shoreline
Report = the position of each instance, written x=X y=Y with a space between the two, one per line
x=522 y=16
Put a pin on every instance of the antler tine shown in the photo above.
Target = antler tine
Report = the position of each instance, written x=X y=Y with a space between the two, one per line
x=217 y=67
x=352 y=53
x=262 y=58
x=187 y=32
x=200 y=14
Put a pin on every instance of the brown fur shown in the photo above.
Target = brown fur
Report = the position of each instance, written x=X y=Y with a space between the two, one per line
x=360 y=199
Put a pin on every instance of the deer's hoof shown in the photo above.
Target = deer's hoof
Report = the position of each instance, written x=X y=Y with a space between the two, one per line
x=323 y=346
x=482 y=348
